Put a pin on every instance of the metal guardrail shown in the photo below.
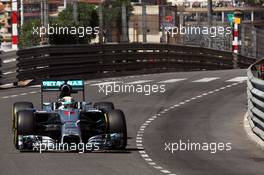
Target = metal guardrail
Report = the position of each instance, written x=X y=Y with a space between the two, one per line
x=8 y=68
x=108 y=60
x=255 y=92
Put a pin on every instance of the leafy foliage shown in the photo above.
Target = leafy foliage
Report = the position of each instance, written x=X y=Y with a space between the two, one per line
x=255 y=2
x=112 y=15
x=26 y=37
x=87 y=17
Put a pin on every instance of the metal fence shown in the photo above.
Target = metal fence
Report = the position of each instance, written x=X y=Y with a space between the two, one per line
x=8 y=68
x=108 y=60
x=252 y=41
x=255 y=92
x=216 y=40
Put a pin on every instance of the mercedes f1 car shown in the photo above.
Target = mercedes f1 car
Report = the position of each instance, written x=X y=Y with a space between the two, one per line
x=66 y=121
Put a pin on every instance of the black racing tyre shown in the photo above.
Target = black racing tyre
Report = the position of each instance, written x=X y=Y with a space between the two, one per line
x=117 y=124
x=18 y=106
x=25 y=122
x=104 y=106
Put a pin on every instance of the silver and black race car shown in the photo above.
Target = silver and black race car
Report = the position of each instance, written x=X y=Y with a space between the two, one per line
x=61 y=124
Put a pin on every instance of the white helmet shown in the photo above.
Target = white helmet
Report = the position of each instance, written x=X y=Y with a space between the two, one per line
x=68 y=102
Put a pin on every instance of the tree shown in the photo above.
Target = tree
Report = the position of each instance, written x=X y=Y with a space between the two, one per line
x=27 y=36
x=87 y=17
x=255 y=2
x=113 y=17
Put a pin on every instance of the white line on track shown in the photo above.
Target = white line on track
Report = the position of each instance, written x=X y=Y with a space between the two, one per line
x=237 y=79
x=205 y=80
x=140 y=134
x=139 y=82
x=172 y=80
x=106 y=83
x=91 y=82
x=5 y=97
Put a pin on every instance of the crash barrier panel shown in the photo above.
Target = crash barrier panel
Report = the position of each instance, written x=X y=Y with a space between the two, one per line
x=8 y=68
x=108 y=60
x=255 y=94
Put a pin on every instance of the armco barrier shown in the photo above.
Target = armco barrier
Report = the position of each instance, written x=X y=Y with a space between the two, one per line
x=108 y=60
x=8 y=68
x=255 y=92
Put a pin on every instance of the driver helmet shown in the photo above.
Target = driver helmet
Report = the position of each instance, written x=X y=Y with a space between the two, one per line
x=68 y=102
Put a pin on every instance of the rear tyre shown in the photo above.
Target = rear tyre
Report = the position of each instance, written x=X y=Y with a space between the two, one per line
x=117 y=124
x=16 y=108
x=104 y=106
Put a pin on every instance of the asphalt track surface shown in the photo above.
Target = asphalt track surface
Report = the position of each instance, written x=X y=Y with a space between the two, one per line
x=216 y=117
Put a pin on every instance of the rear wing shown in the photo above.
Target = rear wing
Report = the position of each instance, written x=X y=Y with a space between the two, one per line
x=55 y=85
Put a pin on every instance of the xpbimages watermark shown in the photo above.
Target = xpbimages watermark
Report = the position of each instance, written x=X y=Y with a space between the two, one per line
x=212 y=147
x=64 y=30
x=145 y=89
x=212 y=31
x=74 y=147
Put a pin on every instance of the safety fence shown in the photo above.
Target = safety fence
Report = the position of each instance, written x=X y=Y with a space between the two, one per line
x=108 y=60
x=255 y=92
x=8 y=68
x=93 y=61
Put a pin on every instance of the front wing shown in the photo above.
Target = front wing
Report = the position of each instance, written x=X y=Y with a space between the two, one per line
x=45 y=143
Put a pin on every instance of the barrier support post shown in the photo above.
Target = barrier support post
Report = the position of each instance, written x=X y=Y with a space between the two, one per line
x=236 y=38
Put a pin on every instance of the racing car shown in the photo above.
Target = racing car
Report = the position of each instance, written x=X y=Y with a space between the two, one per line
x=68 y=121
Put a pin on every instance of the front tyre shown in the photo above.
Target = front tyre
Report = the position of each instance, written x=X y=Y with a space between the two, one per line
x=117 y=124
x=25 y=125
x=18 y=106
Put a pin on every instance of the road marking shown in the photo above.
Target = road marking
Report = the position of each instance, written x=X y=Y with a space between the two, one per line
x=205 y=80
x=144 y=155
x=237 y=79
x=143 y=126
x=139 y=82
x=35 y=86
x=172 y=80
x=91 y=82
x=165 y=171
x=5 y=97
x=106 y=83
x=152 y=163
x=140 y=133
